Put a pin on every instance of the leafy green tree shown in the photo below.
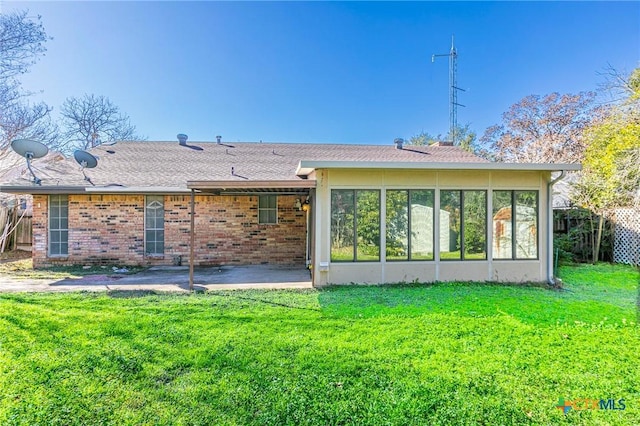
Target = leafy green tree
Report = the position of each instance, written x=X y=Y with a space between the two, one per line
x=611 y=167
x=422 y=139
x=365 y=206
x=397 y=223
x=475 y=223
x=342 y=226
x=368 y=224
x=467 y=138
x=464 y=135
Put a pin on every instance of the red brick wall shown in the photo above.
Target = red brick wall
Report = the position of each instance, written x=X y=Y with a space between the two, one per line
x=39 y=230
x=109 y=229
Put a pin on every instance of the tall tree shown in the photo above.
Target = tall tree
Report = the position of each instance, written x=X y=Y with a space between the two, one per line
x=22 y=40
x=611 y=173
x=91 y=120
x=546 y=129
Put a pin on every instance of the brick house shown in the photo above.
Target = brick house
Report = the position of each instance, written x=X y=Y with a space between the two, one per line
x=351 y=213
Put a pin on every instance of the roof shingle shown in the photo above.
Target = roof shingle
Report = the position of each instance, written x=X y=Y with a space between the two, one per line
x=169 y=164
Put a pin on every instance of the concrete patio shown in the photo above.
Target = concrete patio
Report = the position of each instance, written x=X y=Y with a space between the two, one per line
x=173 y=279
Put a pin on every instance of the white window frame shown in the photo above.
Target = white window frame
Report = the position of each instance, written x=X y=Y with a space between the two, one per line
x=267 y=209
x=63 y=241
x=149 y=200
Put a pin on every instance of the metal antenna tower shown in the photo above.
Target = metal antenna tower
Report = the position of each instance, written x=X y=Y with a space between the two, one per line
x=453 y=91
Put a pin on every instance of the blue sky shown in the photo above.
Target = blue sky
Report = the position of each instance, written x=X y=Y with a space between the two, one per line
x=348 y=72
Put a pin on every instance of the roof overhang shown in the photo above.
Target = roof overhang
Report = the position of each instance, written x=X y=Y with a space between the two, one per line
x=263 y=186
x=37 y=189
x=115 y=189
x=306 y=167
x=253 y=186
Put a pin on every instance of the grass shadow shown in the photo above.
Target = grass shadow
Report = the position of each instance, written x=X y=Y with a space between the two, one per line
x=132 y=294
x=197 y=289
x=267 y=302
x=87 y=280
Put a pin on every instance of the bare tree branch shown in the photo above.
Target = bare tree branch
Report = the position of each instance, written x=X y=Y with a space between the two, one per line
x=543 y=129
x=21 y=43
x=620 y=86
x=92 y=120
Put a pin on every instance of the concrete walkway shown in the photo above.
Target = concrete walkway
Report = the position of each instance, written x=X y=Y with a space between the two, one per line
x=173 y=279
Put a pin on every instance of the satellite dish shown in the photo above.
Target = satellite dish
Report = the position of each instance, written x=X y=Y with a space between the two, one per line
x=30 y=149
x=86 y=160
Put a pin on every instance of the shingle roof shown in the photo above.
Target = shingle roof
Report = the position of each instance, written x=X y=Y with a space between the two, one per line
x=13 y=166
x=170 y=165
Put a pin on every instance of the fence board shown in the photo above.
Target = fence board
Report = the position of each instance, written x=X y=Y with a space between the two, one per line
x=626 y=243
x=23 y=232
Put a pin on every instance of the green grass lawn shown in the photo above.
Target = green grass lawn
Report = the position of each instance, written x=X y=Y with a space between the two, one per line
x=448 y=354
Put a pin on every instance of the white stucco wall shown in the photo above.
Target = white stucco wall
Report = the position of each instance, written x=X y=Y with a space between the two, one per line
x=385 y=271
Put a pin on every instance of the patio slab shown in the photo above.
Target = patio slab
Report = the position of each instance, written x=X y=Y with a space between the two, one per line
x=174 y=279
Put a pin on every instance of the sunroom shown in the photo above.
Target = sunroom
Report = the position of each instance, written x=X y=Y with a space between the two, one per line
x=432 y=222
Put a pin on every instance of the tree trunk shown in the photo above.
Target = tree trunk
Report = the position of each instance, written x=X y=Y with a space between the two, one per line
x=596 y=246
x=591 y=241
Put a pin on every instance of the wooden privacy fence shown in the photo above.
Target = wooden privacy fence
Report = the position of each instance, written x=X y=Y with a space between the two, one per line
x=23 y=234
x=626 y=242
x=15 y=229
x=575 y=234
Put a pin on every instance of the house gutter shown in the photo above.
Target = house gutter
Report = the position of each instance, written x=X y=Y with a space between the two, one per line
x=67 y=189
x=306 y=167
x=33 y=189
x=550 y=278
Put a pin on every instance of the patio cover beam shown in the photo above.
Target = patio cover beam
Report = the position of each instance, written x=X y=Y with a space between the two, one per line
x=193 y=239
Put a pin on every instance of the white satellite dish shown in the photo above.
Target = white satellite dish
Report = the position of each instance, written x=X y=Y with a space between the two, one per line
x=30 y=149
x=86 y=161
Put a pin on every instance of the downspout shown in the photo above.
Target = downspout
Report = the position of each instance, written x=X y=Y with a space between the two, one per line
x=550 y=277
